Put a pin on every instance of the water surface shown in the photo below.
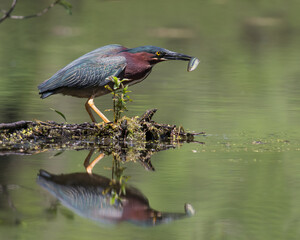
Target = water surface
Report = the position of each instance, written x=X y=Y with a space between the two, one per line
x=243 y=182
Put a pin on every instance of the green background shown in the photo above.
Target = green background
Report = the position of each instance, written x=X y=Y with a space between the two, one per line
x=243 y=182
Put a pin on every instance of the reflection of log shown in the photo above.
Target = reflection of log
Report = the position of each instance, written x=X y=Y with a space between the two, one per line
x=34 y=136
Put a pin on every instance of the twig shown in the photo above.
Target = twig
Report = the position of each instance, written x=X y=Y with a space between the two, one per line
x=15 y=125
x=8 y=13
x=45 y=10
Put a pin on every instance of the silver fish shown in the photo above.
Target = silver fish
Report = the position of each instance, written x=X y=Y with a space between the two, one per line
x=193 y=63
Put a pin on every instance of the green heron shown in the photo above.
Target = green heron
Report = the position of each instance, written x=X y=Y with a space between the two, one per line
x=87 y=76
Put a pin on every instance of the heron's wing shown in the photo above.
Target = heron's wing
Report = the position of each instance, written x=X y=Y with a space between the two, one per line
x=88 y=71
x=104 y=51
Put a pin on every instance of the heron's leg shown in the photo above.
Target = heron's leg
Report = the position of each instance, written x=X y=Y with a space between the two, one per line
x=91 y=165
x=88 y=109
x=91 y=104
x=87 y=159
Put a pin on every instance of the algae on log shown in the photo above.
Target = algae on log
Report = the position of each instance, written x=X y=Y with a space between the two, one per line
x=34 y=136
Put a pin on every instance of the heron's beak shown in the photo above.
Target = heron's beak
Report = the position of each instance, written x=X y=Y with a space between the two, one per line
x=176 y=56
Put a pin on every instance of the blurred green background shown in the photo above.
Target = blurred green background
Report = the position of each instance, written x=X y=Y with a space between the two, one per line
x=244 y=182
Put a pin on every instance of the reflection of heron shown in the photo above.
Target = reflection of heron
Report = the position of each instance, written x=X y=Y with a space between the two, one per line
x=87 y=195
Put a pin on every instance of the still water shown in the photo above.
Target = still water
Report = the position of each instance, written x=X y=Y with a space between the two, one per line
x=243 y=182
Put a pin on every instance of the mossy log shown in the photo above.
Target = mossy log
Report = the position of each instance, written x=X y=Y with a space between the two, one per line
x=28 y=136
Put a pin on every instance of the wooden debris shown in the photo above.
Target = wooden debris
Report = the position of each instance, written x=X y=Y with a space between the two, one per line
x=28 y=136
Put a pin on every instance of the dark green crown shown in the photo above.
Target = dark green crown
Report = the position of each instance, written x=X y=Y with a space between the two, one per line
x=148 y=49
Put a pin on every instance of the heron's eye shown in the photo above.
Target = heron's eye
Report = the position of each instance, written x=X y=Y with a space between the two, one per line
x=158 y=53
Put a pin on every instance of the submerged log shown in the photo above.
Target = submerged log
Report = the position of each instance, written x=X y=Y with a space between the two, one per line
x=28 y=136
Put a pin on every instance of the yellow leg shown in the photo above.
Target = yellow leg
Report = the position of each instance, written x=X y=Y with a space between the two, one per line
x=91 y=104
x=89 y=166
x=88 y=109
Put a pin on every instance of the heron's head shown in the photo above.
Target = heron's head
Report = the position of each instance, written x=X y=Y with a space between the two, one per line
x=154 y=54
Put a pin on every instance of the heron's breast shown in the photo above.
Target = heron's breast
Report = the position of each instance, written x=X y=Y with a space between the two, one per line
x=136 y=69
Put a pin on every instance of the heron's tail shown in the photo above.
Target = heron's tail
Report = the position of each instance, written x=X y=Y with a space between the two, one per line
x=46 y=94
x=44 y=174
x=44 y=91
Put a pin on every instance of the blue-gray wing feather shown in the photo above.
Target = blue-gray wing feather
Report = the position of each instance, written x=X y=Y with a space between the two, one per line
x=90 y=70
